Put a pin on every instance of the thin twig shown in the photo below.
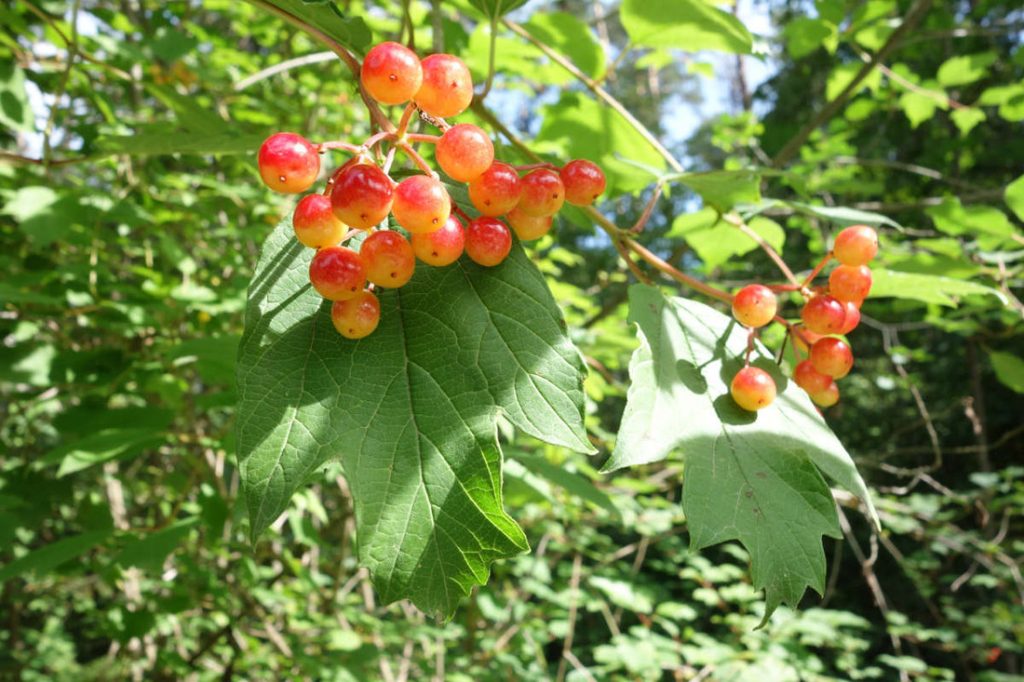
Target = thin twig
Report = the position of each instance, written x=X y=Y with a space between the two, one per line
x=574 y=585
x=284 y=66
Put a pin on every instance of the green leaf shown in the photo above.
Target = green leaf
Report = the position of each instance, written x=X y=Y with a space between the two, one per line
x=845 y=216
x=988 y=223
x=497 y=8
x=15 y=109
x=926 y=288
x=1009 y=369
x=1009 y=99
x=1014 y=197
x=180 y=143
x=722 y=190
x=804 y=35
x=571 y=37
x=844 y=74
x=49 y=557
x=102 y=446
x=920 y=107
x=716 y=241
x=967 y=118
x=964 y=69
x=624 y=595
x=750 y=477
x=351 y=32
x=691 y=25
x=410 y=410
x=151 y=550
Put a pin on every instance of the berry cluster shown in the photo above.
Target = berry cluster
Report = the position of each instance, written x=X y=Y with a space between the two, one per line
x=361 y=194
x=829 y=313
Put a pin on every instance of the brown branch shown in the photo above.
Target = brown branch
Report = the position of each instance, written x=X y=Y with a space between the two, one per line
x=791 y=148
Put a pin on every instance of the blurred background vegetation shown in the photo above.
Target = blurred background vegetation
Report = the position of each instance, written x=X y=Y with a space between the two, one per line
x=131 y=219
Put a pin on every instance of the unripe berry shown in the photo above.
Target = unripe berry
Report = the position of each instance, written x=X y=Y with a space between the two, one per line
x=288 y=163
x=391 y=73
x=447 y=86
x=315 y=224
x=388 y=258
x=584 y=182
x=752 y=389
x=855 y=245
x=488 y=241
x=337 y=273
x=832 y=356
x=421 y=204
x=464 y=152
x=810 y=379
x=356 y=317
x=362 y=196
x=543 y=193
x=440 y=247
x=823 y=315
x=827 y=397
x=528 y=227
x=496 y=191
x=852 y=318
x=850 y=283
x=754 y=305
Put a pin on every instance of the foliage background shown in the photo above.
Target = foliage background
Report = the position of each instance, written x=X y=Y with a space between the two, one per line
x=131 y=222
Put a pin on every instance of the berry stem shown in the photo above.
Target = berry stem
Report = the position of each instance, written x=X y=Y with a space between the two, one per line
x=737 y=222
x=751 y=335
x=377 y=138
x=675 y=274
x=462 y=214
x=648 y=210
x=427 y=139
x=817 y=270
x=390 y=159
x=403 y=123
x=338 y=144
x=416 y=158
x=623 y=249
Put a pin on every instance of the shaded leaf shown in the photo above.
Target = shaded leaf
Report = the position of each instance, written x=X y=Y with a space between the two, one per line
x=1009 y=369
x=49 y=557
x=926 y=288
x=351 y=31
x=691 y=25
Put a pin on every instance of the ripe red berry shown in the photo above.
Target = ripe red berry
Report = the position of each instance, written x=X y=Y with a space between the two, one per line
x=850 y=283
x=388 y=258
x=488 y=241
x=440 y=247
x=391 y=73
x=752 y=389
x=543 y=193
x=584 y=182
x=852 y=318
x=496 y=191
x=855 y=245
x=421 y=204
x=337 y=273
x=824 y=315
x=356 y=317
x=827 y=397
x=362 y=196
x=464 y=152
x=832 y=356
x=528 y=227
x=315 y=223
x=810 y=379
x=754 y=305
x=288 y=163
x=447 y=86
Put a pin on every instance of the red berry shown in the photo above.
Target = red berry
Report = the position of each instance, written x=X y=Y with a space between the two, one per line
x=447 y=86
x=464 y=152
x=362 y=196
x=496 y=191
x=337 y=273
x=440 y=247
x=852 y=318
x=421 y=204
x=754 y=305
x=488 y=241
x=388 y=258
x=810 y=379
x=752 y=389
x=528 y=227
x=827 y=397
x=356 y=317
x=288 y=163
x=850 y=283
x=832 y=356
x=855 y=245
x=315 y=223
x=543 y=193
x=391 y=73
x=824 y=315
x=584 y=182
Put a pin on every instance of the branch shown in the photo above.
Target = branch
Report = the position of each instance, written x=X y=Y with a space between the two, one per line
x=791 y=148
x=286 y=65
